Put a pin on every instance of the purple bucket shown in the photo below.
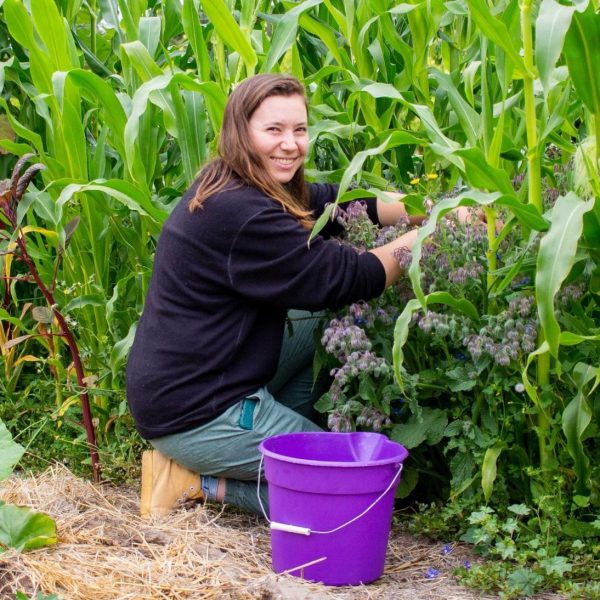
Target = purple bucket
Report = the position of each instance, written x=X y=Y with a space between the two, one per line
x=331 y=497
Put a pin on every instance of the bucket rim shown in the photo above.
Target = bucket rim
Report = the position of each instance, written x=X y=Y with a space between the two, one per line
x=398 y=459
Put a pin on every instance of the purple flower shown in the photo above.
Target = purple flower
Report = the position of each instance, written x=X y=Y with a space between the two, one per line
x=467 y=564
x=432 y=573
x=447 y=548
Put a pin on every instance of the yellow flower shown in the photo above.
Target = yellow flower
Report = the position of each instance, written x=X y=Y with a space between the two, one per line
x=432 y=175
x=415 y=181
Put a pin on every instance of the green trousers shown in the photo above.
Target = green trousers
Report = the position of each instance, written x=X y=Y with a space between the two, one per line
x=227 y=446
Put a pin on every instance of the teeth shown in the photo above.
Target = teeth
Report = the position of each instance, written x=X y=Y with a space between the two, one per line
x=284 y=161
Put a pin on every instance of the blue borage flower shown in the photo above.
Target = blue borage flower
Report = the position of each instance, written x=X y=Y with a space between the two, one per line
x=432 y=573
x=446 y=548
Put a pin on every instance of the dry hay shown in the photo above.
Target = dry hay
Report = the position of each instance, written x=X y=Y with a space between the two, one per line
x=106 y=552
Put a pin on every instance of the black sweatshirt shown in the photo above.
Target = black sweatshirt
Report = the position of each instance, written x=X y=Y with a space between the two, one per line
x=224 y=277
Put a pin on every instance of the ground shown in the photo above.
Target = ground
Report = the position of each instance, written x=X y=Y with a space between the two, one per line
x=106 y=552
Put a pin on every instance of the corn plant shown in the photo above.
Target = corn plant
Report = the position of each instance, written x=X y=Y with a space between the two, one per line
x=17 y=250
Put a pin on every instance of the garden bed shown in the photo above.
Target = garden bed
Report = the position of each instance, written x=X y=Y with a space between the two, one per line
x=105 y=551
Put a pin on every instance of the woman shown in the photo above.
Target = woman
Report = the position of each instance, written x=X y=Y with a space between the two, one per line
x=213 y=369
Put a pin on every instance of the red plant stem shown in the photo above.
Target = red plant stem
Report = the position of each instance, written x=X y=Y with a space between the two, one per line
x=74 y=350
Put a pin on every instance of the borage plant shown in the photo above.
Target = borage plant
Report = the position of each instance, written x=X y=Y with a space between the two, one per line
x=460 y=401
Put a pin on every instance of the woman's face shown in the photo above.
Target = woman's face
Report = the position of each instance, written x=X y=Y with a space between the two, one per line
x=279 y=135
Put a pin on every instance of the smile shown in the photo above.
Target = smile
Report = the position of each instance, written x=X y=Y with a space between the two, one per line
x=284 y=162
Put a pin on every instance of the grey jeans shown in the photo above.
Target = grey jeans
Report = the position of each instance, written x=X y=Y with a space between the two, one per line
x=227 y=446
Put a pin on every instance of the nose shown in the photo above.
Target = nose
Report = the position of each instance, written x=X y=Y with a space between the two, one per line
x=288 y=141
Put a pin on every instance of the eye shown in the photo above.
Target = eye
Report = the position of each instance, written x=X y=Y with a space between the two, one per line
x=301 y=129
x=273 y=129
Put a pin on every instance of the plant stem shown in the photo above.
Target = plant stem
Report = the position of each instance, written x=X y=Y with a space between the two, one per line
x=477 y=409
x=93 y=20
x=535 y=199
x=533 y=155
x=490 y=216
x=542 y=419
x=75 y=356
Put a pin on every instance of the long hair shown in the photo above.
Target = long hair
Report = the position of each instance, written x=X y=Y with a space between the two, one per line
x=237 y=159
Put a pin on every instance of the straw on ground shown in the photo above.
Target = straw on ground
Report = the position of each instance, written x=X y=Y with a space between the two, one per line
x=107 y=552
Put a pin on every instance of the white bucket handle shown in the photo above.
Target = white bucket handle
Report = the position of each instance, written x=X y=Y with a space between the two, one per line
x=306 y=530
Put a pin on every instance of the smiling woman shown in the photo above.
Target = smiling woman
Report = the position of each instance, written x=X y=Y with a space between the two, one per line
x=213 y=370
x=279 y=134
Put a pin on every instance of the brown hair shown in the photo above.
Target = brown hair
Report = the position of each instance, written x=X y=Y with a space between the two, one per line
x=238 y=159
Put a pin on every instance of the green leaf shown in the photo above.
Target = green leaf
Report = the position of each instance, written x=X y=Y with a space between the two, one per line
x=54 y=33
x=229 y=31
x=481 y=174
x=555 y=259
x=128 y=194
x=429 y=427
x=396 y=138
x=557 y=565
x=366 y=390
x=460 y=304
x=193 y=31
x=467 y=117
x=326 y=35
x=580 y=529
x=495 y=30
x=582 y=53
x=214 y=96
x=519 y=509
x=408 y=482
x=324 y=403
x=20 y=26
x=551 y=27
x=489 y=470
x=99 y=91
x=285 y=33
x=401 y=329
x=575 y=420
x=524 y=581
x=23 y=529
x=10 y=452
x=85 y=300
x=120 y=351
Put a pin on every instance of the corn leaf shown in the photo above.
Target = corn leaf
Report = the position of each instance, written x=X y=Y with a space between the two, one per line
x=494 y=30
x=481 y=174
x=55 y=34
x=193 y=31
x=401 y=329
x=556 y=258
x=229 y=31
x=467 y=117
x=575 y=420
x=582 y=52
x=124 y=192
x=551 y=27
x=285 y=33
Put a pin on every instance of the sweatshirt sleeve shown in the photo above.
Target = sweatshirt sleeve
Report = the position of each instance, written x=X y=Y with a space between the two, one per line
x=270 y=260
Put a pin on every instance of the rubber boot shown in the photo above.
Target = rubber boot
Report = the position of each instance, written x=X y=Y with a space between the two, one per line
x=166 y=485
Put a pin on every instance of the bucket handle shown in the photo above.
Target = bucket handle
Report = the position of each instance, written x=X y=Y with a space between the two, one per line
x=306 y=530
